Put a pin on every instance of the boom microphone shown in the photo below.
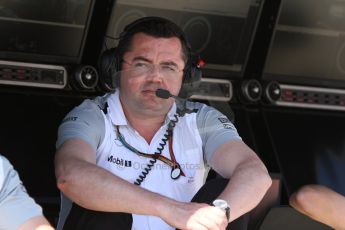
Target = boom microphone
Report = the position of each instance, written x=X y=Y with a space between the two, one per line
x=163 y=93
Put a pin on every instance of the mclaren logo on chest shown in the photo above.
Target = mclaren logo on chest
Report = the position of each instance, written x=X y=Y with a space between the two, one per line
x=120 y=161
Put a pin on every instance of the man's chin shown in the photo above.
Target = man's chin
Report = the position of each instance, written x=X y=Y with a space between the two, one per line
x=156 y=105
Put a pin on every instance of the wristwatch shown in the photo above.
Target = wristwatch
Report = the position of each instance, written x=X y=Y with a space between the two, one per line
x=222 y=204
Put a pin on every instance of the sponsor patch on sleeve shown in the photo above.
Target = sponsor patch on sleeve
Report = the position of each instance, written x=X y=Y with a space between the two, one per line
x=225 y=122
x=223 y=119
x=69 y=119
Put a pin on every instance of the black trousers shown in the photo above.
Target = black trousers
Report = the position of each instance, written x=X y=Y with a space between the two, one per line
x=84 y=219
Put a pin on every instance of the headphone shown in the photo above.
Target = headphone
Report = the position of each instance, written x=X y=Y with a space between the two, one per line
x=110 y=60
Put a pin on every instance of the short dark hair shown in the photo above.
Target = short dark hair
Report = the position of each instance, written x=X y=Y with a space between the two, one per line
x=156 y=27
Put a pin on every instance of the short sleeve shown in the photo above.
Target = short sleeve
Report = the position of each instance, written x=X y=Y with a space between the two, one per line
x=215 y=129
x=16 y=206
x=84 y=122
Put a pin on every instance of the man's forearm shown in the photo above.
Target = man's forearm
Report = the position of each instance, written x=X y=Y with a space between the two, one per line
x=246 y=188
x=320 y=203
x=95 y=188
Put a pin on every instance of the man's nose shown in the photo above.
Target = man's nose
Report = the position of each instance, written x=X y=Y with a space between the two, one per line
x=155 y=73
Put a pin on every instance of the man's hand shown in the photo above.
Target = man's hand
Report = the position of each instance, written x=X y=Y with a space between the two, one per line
x=195 y=216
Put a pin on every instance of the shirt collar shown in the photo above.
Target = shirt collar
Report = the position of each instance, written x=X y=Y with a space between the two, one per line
x=170 y=114
x=115 y=110
x=117 y=116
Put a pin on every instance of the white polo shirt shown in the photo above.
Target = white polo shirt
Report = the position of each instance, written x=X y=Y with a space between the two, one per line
x=195 y=137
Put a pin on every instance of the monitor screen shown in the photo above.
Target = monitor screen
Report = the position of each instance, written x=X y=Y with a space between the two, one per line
x=309 y=146
x=50 y=31
x=219 y=31
x=309 y=44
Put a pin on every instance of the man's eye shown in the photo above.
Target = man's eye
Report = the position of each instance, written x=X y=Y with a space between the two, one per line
x=169 y=68
x=140 y=64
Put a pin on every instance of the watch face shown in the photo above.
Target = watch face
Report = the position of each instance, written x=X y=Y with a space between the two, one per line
x=220 y=204
x=223 y=205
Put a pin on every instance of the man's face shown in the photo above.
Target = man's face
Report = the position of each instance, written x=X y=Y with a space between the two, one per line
x=151 y=63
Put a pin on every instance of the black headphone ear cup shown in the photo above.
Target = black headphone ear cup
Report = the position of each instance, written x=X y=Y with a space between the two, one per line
x=109 y=66
x=191 y=80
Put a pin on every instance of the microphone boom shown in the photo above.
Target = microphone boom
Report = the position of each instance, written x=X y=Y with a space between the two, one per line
x=163 y=93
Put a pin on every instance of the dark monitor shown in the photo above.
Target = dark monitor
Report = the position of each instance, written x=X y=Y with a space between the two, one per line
x=220 y=32
x=44 y=31
x=308 y=46
x=309 y=146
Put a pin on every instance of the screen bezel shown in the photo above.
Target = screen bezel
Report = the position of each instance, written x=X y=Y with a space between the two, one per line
x=235 y=70
x=51 y=58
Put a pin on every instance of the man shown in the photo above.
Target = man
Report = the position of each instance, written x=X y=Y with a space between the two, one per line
x=18 y=211
x=321 y=204
x=109 y=146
